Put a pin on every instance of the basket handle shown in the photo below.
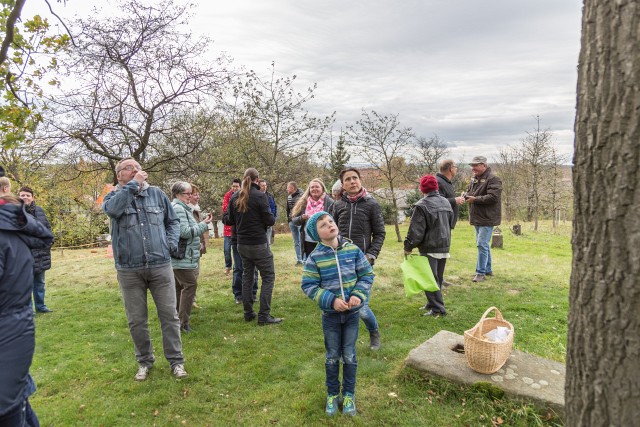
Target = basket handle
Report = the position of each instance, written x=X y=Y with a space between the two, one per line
x=498 y=314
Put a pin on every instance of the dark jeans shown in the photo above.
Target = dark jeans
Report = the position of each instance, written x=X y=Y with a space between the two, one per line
x=308 y=248
x=340 y=336
x=236 y=284
x=38 y=291
x=260 y=257
x=20 y=416
x=434 y=299
x=227 y=251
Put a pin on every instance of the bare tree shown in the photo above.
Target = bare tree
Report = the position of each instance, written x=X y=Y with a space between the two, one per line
x=429 y=152
x=536 y=152
x=135 y=76
x=271 y=120
x=512 y=189
x=603 y=379
x=383 y=144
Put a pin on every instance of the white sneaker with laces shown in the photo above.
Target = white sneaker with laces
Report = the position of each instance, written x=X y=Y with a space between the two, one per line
x=143 y=372
x=178 y=371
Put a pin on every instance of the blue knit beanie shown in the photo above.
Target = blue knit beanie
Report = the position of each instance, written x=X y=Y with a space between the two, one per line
x=310 y=229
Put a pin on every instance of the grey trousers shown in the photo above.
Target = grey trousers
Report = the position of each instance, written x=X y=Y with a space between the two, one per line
x=260 y=257
x=133 y=286
x=186 y=285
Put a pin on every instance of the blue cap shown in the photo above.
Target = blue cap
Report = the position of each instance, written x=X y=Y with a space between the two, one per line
x=311 y=229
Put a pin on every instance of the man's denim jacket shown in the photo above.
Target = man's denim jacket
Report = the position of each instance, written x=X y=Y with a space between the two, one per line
x=144 y=227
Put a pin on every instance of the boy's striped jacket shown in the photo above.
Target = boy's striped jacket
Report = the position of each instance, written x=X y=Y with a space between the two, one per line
x=320 y=280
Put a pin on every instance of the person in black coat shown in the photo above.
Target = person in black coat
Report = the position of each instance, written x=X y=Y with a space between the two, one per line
x=250 y=214
x=20 y=233
x=41 y=257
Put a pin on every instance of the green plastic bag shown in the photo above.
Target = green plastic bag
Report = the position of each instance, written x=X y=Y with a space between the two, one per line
x=417 y=275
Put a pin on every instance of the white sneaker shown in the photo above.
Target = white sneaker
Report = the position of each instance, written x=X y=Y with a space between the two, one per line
x=178 y=371
x=143 y=372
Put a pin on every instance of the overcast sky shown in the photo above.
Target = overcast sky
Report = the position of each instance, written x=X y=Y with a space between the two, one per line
x=473 y=72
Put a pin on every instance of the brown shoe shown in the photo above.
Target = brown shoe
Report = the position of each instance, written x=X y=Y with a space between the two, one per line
x=227 y=271
x=478 y=278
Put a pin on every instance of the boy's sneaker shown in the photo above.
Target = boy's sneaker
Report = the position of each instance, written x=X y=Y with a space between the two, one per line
x=142 y=374
x=331 y=408
x=349 y=405
x=178 y=371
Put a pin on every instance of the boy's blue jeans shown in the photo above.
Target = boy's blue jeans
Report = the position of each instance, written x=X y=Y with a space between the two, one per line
x=483 y=241
x=340 y=336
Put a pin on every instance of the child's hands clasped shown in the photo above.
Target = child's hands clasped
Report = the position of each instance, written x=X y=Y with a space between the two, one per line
x=340 y=305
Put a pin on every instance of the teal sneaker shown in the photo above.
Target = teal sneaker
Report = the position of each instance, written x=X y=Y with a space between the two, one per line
x=331 y=408
x=349 y=405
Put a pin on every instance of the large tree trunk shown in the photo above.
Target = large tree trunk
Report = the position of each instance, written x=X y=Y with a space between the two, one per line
x=603 y=349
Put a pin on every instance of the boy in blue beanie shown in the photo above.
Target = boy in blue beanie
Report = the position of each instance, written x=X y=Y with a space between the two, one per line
x=338 y=277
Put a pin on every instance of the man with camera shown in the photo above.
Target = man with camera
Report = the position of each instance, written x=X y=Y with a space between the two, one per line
x=485 y=210
x=145 y=231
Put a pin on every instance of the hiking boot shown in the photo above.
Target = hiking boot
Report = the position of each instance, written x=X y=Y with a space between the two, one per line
x=478 y=278
x=374 y=337
x=249 y=317
x=331 y=408
x=446 y=284
x=142 y=374
x=269 y=321
x=178 y=371
x=349 y=405
x=424 y=307
x=186 y=329
x=489 y=273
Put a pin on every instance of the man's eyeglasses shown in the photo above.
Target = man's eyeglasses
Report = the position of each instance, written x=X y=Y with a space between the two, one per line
x=130 y=168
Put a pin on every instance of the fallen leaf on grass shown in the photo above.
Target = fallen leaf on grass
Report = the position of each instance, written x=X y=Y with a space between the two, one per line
x=82 y=407
x=155 y=413
x=185 y=392
x=392 y=394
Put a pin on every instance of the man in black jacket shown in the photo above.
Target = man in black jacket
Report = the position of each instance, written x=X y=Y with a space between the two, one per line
x=448 y=171
x=294 y=194
x=41 y=257
x=430 y=232
x=359 y=219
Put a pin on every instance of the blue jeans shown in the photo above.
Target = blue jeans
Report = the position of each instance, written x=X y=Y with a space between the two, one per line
x=340 y=336
x=227 y=251
x=483 y=238
x=236 y=285
x=295 y=233
x=38 y=291
x=160 y=282
x=368 y=318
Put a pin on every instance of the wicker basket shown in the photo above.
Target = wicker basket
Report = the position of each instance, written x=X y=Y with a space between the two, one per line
x=483 y=355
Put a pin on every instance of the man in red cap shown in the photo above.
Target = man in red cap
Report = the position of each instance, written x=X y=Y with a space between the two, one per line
x=430 y=232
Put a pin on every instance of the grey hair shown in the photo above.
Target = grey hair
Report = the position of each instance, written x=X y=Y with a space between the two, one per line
x=179 y=187
x=119 y=164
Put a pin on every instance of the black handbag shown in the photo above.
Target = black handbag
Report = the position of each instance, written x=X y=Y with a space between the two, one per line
x=181 y=251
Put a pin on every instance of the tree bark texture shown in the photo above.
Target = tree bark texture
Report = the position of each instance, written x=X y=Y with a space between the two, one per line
x=603 y=349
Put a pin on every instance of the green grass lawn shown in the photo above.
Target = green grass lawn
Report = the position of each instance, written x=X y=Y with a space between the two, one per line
x=243 y=374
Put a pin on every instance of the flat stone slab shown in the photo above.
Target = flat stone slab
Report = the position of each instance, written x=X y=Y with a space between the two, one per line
x=523 y=376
